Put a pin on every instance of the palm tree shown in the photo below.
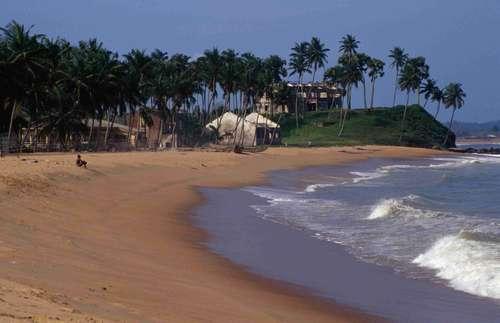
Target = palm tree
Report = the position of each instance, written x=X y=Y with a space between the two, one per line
x=409 y=81
x=272 y=74
x=437 y=96
x=453 y=97
x=299 y=65
x=375 y=70
x=336 y=75
x=399 y=58
x=139 y=67
x=362 y=65
x=349 y=60
x=229 y=75
x=317 y=54
x=22 y=51
x=54 y=89
x=348 y=46
x=421 y=72
x=212 y=64
x=427 y=89
x=317 y=57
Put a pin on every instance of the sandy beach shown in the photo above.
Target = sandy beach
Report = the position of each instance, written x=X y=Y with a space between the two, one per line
x=114 y=243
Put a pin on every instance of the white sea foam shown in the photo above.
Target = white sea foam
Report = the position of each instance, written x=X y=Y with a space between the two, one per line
x=388 y=208
x=293 y=199
x=397 y=231
x=470 y=265
x=392 y=167
x=466 y=161
x=366 y=176
x=314 y=187
x=444 y=163
x=457 y=163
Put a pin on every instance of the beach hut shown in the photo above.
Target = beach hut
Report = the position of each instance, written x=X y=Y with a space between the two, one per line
x=250 y=131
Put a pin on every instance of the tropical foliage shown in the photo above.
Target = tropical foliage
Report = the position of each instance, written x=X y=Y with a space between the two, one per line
x=76 y=93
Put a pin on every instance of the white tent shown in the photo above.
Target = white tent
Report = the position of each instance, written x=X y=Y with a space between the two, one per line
x=233 y=129
x=261 y=120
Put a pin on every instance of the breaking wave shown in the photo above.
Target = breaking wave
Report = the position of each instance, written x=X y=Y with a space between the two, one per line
x=314 y=187
x=366 y=176
x=412 y=226
x=469 y=261
x=388 y=208
x=442 y=163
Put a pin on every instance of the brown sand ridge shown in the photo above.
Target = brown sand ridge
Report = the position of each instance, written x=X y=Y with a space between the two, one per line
x=113 y=242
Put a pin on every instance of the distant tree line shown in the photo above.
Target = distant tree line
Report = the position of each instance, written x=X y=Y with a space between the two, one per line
x=50 y=87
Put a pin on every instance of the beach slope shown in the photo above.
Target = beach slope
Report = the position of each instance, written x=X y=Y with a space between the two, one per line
x=114 y=242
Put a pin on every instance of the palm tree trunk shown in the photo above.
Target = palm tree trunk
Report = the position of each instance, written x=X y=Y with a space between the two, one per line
x=28 y=131
x=332 y=102
x=349 y=97
x=341 y=110
x=91 y=132
x=235 y=131
x=395 y=87
x=316 y=97
x=11 y=124
x=98 y=134
x=437 y=110
x=160 y=130
x=242 y=119
x=129 y=131
x=404 y=116
x=364 y=93
x=173 y=146
x=138 y=136
x=274 y=130
x=106 y=135
x=297 y=106
x=344 y=114
x=373 y=94
x=255 y=133
x=296 y=109
x=212 y=98
x=449 y=127
x=342 y=124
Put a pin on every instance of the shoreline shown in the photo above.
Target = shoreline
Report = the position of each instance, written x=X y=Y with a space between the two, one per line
x=261 y=243
x=118 y=254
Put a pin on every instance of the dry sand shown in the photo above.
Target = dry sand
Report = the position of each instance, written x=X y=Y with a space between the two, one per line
x=113 y=242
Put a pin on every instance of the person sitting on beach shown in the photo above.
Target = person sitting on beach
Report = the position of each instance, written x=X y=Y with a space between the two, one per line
x=80 y=162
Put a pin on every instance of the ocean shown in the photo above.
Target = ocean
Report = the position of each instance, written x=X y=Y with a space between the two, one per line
x=433 y=223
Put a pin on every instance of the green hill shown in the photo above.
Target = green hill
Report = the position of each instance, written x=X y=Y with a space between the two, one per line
x=380 y=126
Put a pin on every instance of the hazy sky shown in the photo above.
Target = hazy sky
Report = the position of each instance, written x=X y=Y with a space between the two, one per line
x=459 y=38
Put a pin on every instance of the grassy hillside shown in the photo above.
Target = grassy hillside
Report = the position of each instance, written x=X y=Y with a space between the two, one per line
x=380 y=126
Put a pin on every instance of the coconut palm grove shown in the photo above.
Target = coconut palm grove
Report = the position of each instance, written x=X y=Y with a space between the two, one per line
x=74 y=94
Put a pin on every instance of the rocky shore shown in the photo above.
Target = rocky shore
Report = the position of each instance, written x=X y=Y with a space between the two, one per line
x=470 y=150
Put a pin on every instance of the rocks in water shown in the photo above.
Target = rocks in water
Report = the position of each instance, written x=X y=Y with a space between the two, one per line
x=470 y=150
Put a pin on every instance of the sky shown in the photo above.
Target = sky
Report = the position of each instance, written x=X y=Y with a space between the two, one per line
x=459 y=38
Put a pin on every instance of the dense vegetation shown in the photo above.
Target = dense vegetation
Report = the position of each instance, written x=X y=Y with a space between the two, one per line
x=380 y=126
x=52 y=88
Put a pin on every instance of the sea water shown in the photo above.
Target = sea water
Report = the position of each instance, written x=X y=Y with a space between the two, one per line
x=436 y=219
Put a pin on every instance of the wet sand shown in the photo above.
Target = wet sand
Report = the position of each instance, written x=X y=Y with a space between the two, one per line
x=114 y=241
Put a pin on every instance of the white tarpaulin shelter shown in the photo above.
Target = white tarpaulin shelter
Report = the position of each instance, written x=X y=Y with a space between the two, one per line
x=261 y=120
x=253 y=130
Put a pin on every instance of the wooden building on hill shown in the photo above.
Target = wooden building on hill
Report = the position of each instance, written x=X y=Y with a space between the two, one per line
x=311 y=97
